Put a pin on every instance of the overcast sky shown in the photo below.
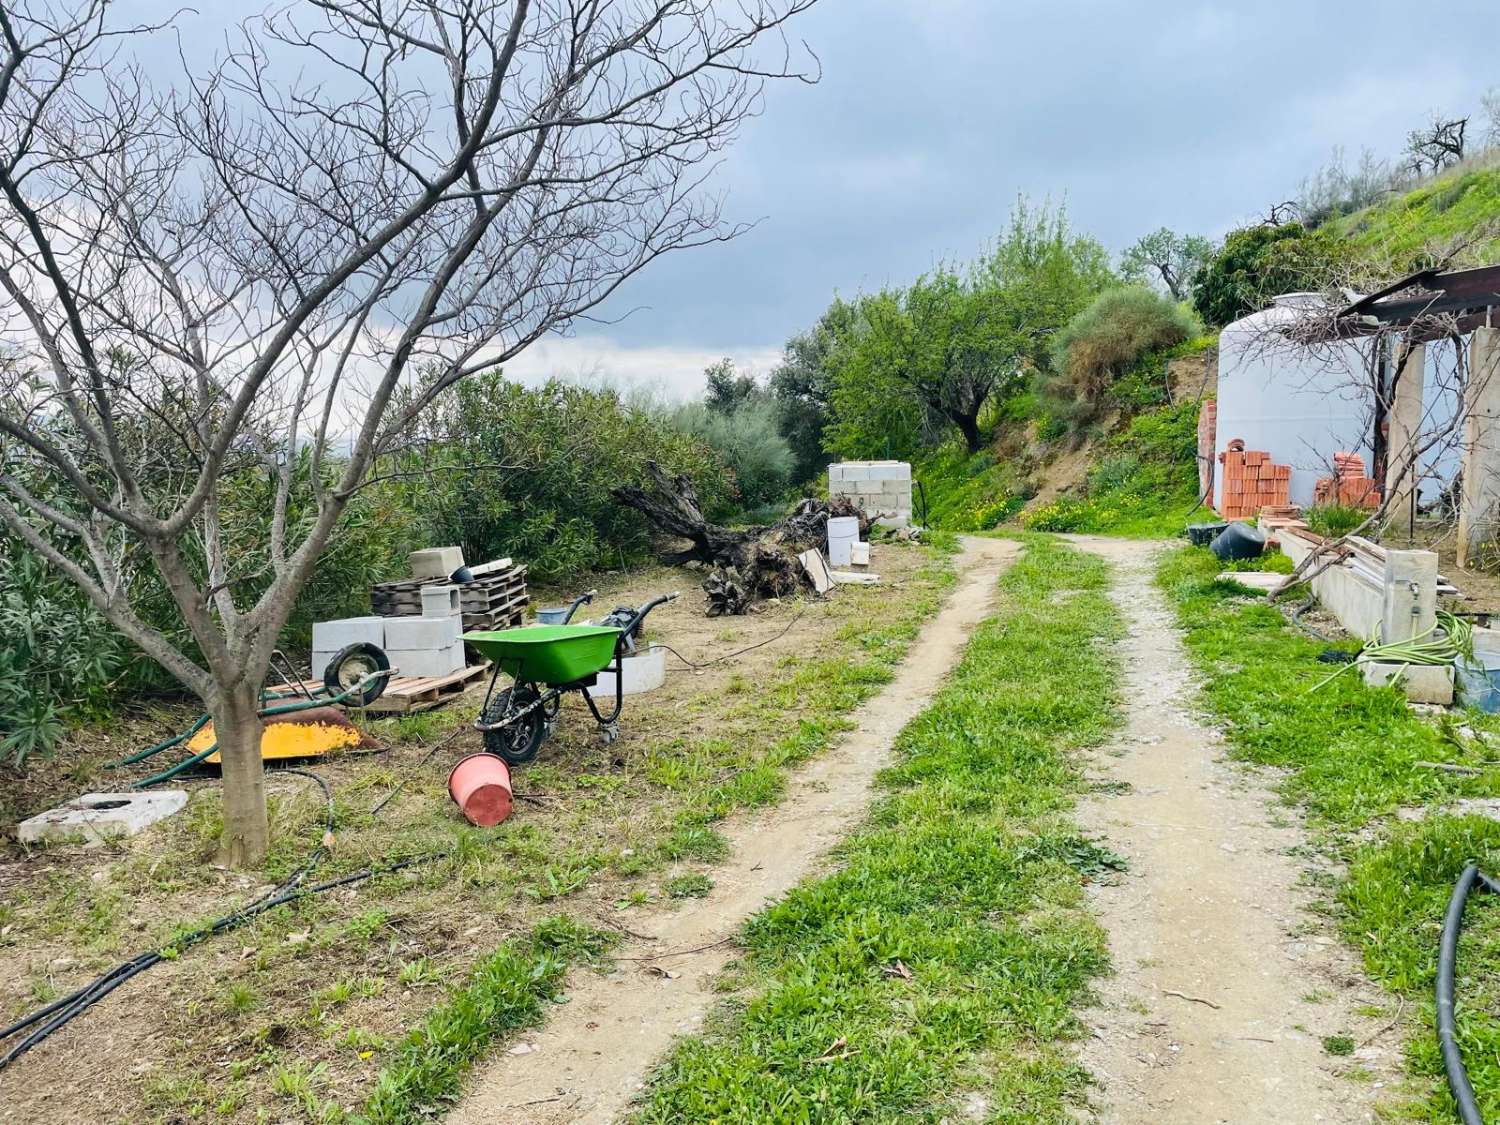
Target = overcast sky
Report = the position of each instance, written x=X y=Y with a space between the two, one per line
x=932 y=116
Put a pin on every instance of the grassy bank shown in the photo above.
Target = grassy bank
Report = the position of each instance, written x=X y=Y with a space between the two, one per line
x=941 y=963
x=1352 y=758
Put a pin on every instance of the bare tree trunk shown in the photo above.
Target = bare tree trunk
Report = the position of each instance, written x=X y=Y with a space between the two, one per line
x=237 y=723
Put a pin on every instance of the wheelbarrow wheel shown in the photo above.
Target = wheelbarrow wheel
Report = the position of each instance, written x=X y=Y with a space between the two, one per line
x=352 y=665
x=518 y=741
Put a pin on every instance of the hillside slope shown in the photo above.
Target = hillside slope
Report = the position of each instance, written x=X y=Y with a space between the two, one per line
x=1459 y=209
x=1133 y=472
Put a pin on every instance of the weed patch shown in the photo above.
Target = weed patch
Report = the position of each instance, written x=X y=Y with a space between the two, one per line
x=948 y=951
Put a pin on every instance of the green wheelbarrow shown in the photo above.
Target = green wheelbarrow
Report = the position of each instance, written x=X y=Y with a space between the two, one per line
x=544 y=662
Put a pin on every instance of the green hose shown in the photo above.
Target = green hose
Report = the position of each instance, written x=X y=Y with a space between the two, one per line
x=1443 y=642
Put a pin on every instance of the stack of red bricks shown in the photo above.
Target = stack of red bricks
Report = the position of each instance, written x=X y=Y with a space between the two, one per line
x=1250 y=481
x=1208 y=420
x=1349 y=485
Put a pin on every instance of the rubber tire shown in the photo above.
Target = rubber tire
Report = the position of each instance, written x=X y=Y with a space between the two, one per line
x=375 y=659
x=519 y=743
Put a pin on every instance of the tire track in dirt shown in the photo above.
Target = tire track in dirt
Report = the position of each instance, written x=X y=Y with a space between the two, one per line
x=593 y=1055
x=1224 y=983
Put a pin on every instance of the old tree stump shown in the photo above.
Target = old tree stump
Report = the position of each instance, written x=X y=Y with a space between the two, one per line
x=748 y=563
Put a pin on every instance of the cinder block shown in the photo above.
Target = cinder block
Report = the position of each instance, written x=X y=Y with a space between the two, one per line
x=440 y=601
x=428 y=662
x=330 y=636
x=429 y=633
x=319 y=661
x=99 y=817
x=897 y=470
x=435 y=562
x=855 y=471
x=1422 y=683
x=835 y=475
x=867 y=487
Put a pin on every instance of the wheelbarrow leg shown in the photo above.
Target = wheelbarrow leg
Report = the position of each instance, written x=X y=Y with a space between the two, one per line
x=609 y=727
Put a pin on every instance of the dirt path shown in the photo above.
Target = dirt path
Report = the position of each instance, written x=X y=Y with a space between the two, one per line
x=593 y=1055
x=1225 y=985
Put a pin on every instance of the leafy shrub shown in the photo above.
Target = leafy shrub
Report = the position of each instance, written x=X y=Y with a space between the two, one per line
x=749 y=442
x=1263 y=261
x=1104 y=341
x=59 y=660
x=527 y=472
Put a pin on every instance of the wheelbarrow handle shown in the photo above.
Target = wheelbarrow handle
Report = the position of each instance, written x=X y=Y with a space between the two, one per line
x=581 y=599
x=640 y=614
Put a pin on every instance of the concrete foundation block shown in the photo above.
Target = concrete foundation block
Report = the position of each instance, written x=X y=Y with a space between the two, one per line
x=435 y=562
x=407 y=633
x=330 y=636
x=897 y=470
x=1422 y=683
x=441 y=601
x=645 y=671
x=427 y=662
x=97 y=818
x=867 y=487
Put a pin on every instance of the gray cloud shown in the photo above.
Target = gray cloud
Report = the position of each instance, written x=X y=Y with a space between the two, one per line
x=932 y=116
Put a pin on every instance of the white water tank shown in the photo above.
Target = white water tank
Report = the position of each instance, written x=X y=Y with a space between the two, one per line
x=1300 y=404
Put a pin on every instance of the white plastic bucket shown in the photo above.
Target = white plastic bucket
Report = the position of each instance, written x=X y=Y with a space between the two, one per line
x=843 y=533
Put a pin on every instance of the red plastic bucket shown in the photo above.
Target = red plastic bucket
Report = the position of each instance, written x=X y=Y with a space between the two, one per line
x=480 y=787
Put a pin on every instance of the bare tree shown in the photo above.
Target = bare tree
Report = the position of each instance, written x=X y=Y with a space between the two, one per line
x=1437 y=145
x=241 y=273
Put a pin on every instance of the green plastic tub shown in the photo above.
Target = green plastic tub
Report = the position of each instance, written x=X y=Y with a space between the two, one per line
x=548 y=654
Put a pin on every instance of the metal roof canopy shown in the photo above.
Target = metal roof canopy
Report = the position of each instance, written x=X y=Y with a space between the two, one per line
x=1471 y=296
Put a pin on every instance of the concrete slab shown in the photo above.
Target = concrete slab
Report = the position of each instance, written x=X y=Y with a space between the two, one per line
x=428 y=662
x=435 y=562
x=432 y=633
x=330 y=636
x=643 y=672
x=817 y=569
x=99 y=817
x=1422 y=683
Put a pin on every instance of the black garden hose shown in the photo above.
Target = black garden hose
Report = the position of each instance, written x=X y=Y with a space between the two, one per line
x=63 y=1010
x=1453 y=1062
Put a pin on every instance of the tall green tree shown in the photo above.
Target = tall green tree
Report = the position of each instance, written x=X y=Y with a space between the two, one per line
x=960 y=338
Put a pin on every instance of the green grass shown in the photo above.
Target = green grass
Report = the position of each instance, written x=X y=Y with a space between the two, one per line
x=1455 y=205
x=947 y=953
x=1350 y=756
x=507 y=990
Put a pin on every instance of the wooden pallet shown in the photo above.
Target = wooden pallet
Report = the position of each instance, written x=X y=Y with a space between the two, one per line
x=407 y=694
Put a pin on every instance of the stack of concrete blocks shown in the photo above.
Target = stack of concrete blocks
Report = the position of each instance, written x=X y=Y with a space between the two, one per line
x=880 y=489
x=427 y=646
x=431 y=645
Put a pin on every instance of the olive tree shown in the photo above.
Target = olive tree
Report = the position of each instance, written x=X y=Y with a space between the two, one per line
x=226 y=268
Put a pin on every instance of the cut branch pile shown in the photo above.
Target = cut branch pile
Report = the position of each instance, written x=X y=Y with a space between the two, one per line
x=748 y=563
